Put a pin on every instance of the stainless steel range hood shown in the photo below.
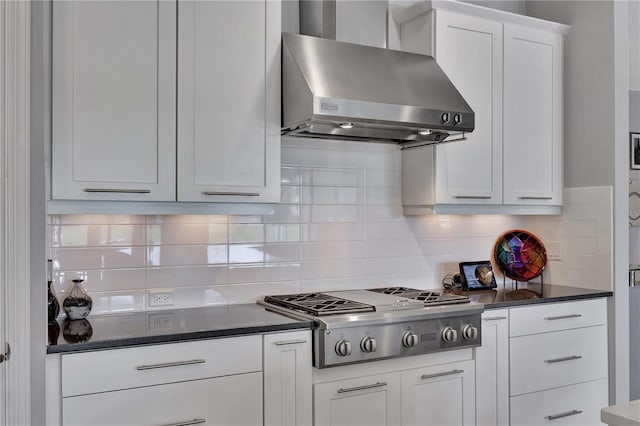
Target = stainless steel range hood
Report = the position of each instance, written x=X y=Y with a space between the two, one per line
x=338 y=90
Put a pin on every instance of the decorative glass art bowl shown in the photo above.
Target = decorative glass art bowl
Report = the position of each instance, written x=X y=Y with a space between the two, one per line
x=520 y=255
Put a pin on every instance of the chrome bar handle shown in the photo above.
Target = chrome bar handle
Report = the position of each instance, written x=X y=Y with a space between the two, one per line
x=494 y=318
x=290 y=342
x=535 y=198
x=561 y=415
x=170 y=364
x=561 y=317
x=358 y=388
x=567 y=358
x=236 y=194
x=473 y=197
x=187 y=422
x=118 y=190
x=446 y=373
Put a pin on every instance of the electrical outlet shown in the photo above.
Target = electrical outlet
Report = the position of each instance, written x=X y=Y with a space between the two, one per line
x=160 y=322
x=161 y=298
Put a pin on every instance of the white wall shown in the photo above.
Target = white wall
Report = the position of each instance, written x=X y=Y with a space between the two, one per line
x=589 y=95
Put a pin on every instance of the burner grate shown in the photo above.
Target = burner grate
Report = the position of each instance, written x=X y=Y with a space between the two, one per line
x=318 y=304
x=429 y=297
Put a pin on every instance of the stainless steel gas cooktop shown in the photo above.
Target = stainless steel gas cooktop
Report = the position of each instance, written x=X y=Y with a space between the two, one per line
x=367 y=325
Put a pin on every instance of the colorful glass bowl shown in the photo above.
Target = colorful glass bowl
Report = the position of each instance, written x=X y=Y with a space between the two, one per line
x=520 y=255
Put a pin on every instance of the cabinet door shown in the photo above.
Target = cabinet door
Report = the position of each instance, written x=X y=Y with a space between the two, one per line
x=114 y=103
x=532 y=116
x=371 y=401
x=224 y=401
x=469 y=50
x=439 y=396
x=229 y=101
x=492 y=370
x=287 y=378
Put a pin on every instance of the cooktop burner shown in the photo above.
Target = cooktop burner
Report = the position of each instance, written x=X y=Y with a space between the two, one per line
x=318 y=304
x=429 y=297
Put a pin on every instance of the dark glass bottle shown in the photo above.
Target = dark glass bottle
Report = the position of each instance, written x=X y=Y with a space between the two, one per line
x=77 y=304
x=53 y=306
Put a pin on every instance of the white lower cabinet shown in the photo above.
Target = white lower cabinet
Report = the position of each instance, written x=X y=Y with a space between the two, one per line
x=492 y=370
x=543 y=364
x=439 y=396
x=370 y=400
x=577 y=405
x=214 y=401
x=287 y=378
x=429 y=390
x=227 y=381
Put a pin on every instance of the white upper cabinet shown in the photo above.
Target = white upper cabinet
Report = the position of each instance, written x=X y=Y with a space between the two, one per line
x=532 y=116
x=469 y=50
x=166 y=101
x=114 y=100
x=508 y=68
x=229 y=101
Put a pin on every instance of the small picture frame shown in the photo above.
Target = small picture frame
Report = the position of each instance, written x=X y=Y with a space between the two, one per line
x=477 y=275
x=634 y=143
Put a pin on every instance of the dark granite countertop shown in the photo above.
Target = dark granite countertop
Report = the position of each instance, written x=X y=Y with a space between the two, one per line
x=530 y=294
x=142 y=328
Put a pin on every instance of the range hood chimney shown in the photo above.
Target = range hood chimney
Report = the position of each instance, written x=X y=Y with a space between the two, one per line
x=357 y=89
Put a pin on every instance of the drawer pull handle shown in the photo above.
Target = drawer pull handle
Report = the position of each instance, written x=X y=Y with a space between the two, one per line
x=494 y=318
x=567 y=358
x=358 y=388
x=561 y=317
x=535 y=198
x=236 y=194
x=170 y=364
x=119 y=191
x=290 y=342
x=187 y=422
x=561 y=415
x=472 y=197
x=446 y=373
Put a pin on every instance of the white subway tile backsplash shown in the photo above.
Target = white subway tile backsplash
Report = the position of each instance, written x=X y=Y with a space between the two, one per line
x=340 y=225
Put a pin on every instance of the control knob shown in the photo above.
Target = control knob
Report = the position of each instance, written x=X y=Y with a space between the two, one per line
x=449 y=334
x=470 y=332
x=445 y=117
x=343 y=347
x=368 y=344
x=409 y=339
x=457 y=119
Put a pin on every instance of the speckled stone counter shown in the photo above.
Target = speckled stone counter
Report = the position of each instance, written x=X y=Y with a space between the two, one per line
x=142 y=328
x=530 y=294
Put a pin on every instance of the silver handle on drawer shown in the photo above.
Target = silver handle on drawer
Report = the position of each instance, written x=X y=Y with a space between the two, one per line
x=446 y=373
x=290 y=342
x=358 y=388
x=237 y=194
x=473 y=197
x=535 y=198
x=170 y=364
x=561 y=415
x=119 y=191
x=566 y=358
x=187 y=422
x=563 y=317
x=494 y=318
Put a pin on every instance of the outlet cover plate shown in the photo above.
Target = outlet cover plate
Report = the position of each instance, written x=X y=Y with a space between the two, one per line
x=161 y=298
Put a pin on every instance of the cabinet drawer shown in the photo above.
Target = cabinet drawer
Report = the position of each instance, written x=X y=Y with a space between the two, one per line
x=101 y=371
x=557 y=316
x=549 y=360
x=570 y=405
x=208 y=402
